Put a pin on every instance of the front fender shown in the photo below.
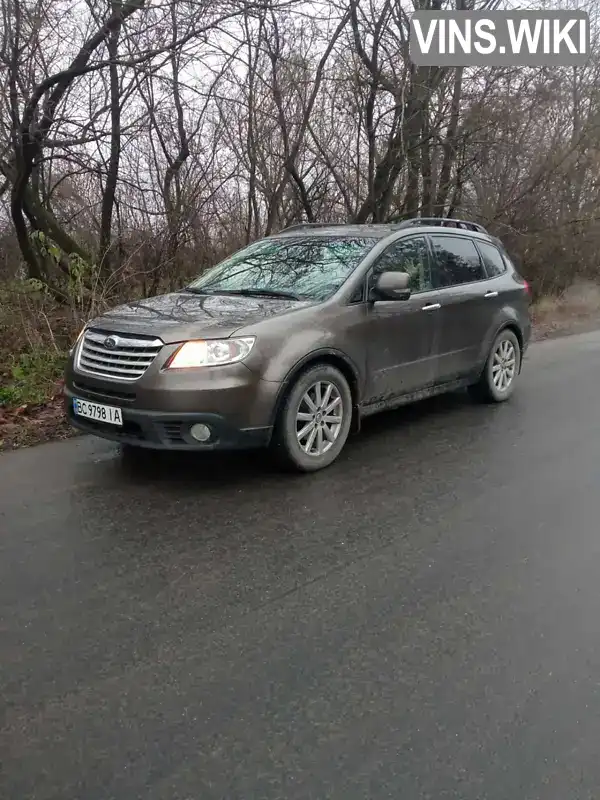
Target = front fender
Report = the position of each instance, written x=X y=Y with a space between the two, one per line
x=324 y=353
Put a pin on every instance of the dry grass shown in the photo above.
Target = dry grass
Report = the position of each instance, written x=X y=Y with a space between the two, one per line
x=29 y=425
x=573 y=311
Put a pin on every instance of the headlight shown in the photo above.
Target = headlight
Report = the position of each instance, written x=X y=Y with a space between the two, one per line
x=210 y=352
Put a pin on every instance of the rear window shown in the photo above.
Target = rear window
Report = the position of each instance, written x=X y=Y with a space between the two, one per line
x=492 y=259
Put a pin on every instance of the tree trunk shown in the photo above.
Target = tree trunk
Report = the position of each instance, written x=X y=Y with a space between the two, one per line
x=108 y=198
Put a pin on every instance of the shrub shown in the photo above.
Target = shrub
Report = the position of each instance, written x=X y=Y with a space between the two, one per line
x=31 y=378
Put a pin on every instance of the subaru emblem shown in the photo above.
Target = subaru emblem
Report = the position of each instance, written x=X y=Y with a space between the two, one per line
x=111 y=342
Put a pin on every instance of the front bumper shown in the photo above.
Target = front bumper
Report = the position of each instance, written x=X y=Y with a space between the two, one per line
x=157 y=430
x=159 y=409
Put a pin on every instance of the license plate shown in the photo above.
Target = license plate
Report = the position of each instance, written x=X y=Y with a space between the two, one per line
x=98 y=412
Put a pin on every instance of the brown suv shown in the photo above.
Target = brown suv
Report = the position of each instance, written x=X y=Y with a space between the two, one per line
x=293 y=340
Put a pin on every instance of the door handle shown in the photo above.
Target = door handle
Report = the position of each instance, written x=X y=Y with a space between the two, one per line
x=491 y=294
x=431 y=307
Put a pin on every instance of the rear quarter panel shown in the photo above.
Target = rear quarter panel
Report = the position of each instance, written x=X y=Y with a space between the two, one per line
x=512 y=309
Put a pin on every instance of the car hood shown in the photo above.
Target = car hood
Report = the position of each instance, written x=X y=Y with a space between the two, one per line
x=180 y=316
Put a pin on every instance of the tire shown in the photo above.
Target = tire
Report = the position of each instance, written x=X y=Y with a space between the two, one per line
x=502 y=368
x=294 y=445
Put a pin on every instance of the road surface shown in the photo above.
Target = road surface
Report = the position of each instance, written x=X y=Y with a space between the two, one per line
x=421 y=620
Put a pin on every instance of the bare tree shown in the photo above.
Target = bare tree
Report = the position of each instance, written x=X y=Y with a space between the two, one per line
x=142 y=141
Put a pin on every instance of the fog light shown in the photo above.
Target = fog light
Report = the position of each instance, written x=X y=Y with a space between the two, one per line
x=201 y=433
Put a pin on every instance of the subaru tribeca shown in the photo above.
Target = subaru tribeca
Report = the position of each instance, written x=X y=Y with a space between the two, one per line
x=293 y=340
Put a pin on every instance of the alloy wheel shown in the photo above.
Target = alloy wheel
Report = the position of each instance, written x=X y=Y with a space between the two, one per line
x=504 y=365
x=319 y=418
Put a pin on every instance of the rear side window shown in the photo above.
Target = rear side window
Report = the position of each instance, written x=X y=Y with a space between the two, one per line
x=492 y=259
x=456 y=261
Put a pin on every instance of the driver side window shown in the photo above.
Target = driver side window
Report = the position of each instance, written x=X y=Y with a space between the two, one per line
x=408 y=255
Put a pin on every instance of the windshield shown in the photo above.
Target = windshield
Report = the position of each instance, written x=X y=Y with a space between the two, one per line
x=307 y=268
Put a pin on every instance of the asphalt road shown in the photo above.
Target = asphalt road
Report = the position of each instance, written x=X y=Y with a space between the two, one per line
x=421 y=620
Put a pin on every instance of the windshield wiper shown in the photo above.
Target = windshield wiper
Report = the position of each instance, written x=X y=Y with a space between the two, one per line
x=269 y=293
x=192 y=290
x=258 y=292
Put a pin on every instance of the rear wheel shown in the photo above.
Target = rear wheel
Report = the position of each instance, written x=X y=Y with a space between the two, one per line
x=499 y=377
x=314 y=421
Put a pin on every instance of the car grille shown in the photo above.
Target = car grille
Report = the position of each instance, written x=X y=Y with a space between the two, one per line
x=127 y=359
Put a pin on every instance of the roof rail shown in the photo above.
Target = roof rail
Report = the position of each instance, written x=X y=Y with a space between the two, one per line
x=398 y=223
x=444 y=222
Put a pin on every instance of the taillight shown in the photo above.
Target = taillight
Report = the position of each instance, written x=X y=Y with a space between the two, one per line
x=527 y=287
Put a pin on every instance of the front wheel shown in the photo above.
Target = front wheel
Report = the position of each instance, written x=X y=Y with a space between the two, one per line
x=499 y=377
x=314 y=421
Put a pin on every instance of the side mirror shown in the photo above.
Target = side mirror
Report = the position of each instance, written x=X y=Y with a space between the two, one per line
x=392 y=286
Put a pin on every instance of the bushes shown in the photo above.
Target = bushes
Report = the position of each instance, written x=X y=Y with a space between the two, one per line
x=34 y=339
x=32 y=377
x=35 y=336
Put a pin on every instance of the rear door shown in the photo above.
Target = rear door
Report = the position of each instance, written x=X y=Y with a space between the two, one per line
x=402 y=333
x=465 y=315
x=496 y=288
x=506 y=292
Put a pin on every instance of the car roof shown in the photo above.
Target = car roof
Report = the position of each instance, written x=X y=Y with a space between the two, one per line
x=378 y=230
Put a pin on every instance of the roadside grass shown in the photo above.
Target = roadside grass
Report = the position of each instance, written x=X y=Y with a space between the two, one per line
x=34 y=339
x=31 y=379
x=575 y=310
x=31 y=399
